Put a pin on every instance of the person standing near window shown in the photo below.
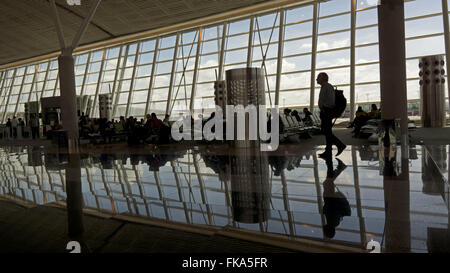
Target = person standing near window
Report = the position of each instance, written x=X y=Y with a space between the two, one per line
x=14 y=124
x=34 y=122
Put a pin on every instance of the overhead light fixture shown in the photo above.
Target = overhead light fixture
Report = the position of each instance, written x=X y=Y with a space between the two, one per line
x=73 y=2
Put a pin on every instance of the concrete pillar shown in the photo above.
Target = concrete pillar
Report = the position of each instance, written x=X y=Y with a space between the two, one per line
x=69 y=118
x=391 y=32
x=68 y=97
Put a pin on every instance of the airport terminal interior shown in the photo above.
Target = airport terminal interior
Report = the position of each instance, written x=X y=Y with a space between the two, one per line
x=106 y=108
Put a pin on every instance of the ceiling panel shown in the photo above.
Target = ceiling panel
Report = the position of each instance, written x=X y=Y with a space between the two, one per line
x=27 y=29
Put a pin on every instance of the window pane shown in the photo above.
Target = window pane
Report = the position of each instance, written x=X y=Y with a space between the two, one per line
x=299 y=14
x=334 y=23
x=425 y=47
x=334 y=6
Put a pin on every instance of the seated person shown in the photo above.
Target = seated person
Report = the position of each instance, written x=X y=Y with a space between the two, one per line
x=155 y=127
x=359 y=121
x=106 y=129
x=296 y=115
x=374 y=111
x=378 y=115
x=155 y=124
x=166 y=120
x=85 y=128
x=307 y=119
x=57 y=126
x=95 y=127
x=287 y=111
x=118 y=127
x=360 y=112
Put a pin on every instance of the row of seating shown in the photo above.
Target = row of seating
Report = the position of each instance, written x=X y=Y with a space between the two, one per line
x=316 y=120
x=293 y=127
x=371 y=129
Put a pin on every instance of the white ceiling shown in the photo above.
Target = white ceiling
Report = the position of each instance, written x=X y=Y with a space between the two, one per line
x=27 y=27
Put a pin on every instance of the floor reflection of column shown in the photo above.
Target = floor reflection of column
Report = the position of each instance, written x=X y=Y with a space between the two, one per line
x=397 y=209
x=161 y=196
x=228 y=198
x=180 y=192
x=141 y=191
x=130 y=190
x=105 y=185
x=92 y=189
x=202 y=189
x=74 y=198
x=286 y=204
x=50 y=180
x=63 y=185
x=27 y=180
x=251 y=195
x=15 y=180
x=318 y=189
x=362 y=226
x=118 y=169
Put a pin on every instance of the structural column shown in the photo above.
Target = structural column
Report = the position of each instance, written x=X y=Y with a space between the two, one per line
x=447 y=42
x=68 y=96
x=352 y=60
x=391 y=31
x=68 y=103
x=280 y=57
x=313 y=56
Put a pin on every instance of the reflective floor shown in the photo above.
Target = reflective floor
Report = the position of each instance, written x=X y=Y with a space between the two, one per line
x=367 y=194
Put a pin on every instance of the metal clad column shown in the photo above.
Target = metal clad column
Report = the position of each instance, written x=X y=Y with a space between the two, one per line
x=250 y=43
x=391 y=32
x=172 y=75
x=244 y=87
x=447 y=40
x=432 y=91
x=352 y=61
x=280 y=57
x=313 y=57
x=68 y=97
x=195 y=76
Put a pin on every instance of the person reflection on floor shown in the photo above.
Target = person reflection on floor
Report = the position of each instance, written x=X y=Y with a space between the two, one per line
x=336 y=205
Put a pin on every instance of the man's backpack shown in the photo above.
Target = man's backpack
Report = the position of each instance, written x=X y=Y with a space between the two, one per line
x=340 y=103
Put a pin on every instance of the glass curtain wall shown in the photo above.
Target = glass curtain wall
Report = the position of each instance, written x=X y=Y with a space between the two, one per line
x=175 y=72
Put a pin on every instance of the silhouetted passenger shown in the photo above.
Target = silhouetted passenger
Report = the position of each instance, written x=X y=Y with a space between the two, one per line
x=373 y=111
x=9 y=127
x=326 y=105
x=57 y=126
x=155 y=124
x=307 y=119
x=360 y=120
x=166 y=120
x=14 y=124
x=22 y=127
x=336 y=205
x=34 y=122
x=296 y=115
